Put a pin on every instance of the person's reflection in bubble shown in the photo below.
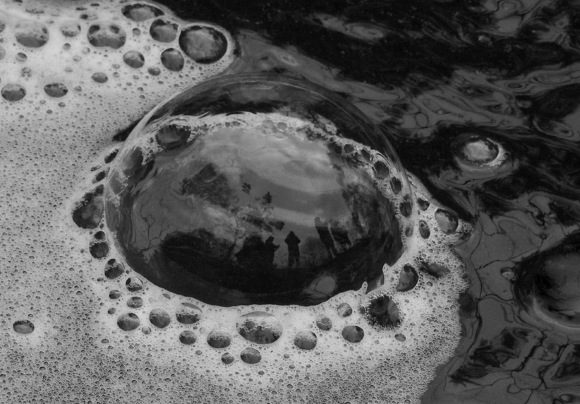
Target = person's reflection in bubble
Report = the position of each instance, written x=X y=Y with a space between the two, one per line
x=325 y=237
x=293 y=250
x=251 y=256
x=340 y=235
x=270 y=250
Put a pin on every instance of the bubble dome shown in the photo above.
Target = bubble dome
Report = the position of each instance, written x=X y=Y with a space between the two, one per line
x=257 y=189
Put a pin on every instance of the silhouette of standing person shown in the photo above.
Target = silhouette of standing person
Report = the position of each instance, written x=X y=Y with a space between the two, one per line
x=293 y=250
x=325 y=237
x=270 y=250
x=251 y=256
x=340 y=234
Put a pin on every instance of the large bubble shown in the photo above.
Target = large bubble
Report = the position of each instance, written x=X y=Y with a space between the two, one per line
x=255 y=189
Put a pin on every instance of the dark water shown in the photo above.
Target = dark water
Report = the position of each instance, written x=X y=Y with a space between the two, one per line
x=439 y=76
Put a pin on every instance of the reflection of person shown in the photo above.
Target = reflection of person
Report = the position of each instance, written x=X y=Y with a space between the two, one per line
x=252 y=252
x=293 y=250
x=270 y=250
x=340 y=234
x=325 y=237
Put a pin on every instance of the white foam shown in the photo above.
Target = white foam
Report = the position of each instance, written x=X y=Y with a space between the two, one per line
x=49 y=277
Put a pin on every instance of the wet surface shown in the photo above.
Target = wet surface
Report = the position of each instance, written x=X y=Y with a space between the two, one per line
x=480 y=100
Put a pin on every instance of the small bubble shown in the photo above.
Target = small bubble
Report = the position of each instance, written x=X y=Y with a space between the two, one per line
x=446 y=220
x=114 y=269
x=134 y=284
x=172 y=136
x=26 y=72
x=134 y=59
x=13 y=92
x=159 y=318
x=396 y=185
x=406 y=208
x=23 y=326
x=251 y=356
x=305 y=340
x=135 y=302
x=435 y=270
x=344 y=310
x=227 y=358
x=172 y=59
x=114 y=294
x=407 y=279
x=128 y=321
x=99 y=77
x=141 y=12
x=400 y=337
x=188 y=313
x=381 y=170
x=324 y=323
x=106 y=35
x=111 y=156
x=423 y=204
x=187 y=337
x=508 y=273
x=146 y=330
x=219 y=339
x=424 y=229
x=21 y=57
x=259 y=327
x=99 y=248
x=154 y=71
x=203 y=44
x=55 y=90
x=163 y=30
x=70 y=29
x=31 y=34
x=353 y=333
x=478 y=151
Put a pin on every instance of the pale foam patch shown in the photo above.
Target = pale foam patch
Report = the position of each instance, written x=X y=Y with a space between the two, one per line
x=78 y=353
x=92 y=51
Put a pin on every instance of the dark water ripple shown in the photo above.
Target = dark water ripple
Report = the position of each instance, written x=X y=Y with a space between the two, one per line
x=438 y=75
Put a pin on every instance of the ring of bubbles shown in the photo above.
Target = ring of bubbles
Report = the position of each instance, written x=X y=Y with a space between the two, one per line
x=211 y=183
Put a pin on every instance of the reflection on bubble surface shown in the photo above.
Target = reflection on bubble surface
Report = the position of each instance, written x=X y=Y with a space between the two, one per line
x=255 y=207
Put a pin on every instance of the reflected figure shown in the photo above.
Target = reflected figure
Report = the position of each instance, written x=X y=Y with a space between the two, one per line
x=293 y=250
x=270 y=250
x=340 y=234
x=251 y=256
x=325 y=237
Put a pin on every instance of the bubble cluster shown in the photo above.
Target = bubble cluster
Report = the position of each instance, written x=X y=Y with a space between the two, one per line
x=97 y=314
x=95 y=41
